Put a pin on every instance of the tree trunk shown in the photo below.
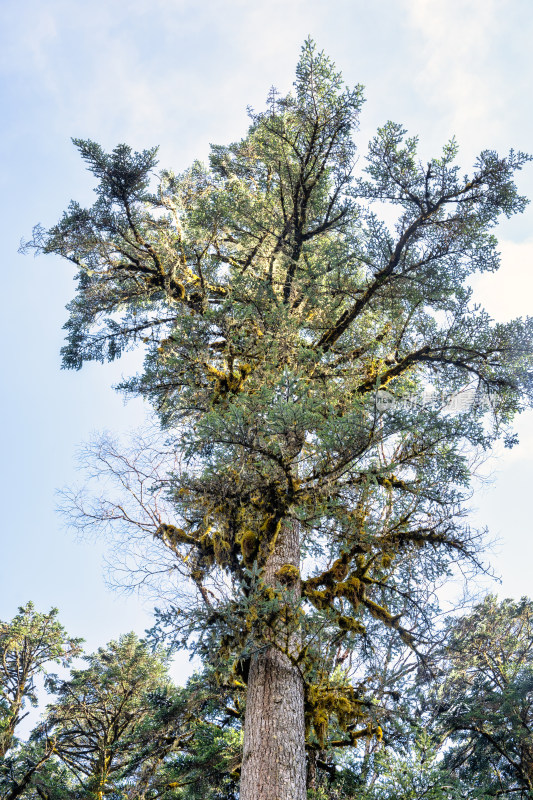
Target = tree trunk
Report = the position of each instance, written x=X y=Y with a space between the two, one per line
x=273 y=765
x=7 y=735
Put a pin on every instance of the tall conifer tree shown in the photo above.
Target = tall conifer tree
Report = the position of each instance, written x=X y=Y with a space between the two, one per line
x=292 y=339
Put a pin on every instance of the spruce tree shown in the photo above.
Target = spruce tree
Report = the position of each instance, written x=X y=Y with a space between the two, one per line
x=482 y=697
x=29 y=644
x=293 y=341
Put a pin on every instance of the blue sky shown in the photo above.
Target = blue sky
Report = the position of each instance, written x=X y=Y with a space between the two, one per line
x=181 y=74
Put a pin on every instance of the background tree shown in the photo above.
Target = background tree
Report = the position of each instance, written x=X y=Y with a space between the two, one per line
x=120 y=728
x=29 y=643
x=483 y=702
x=274 y=304
x=101 y=712
x=205 y=729
x=416 y=773
x=32 y=771
x=463 y=728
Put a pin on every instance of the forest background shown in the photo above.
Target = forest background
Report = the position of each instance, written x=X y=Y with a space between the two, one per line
x=180 y=75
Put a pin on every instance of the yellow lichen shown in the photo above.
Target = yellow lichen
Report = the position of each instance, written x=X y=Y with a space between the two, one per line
x=350 y=624
x=177 y=288
x=221 y=547
x=288 y=574
x=320 y=724
x=269 y=593
x=172 y=534
x=352 y=590
x=320 y=599
x=251 y=617
x=249 y=544
x=227 y=382
x=324 y=700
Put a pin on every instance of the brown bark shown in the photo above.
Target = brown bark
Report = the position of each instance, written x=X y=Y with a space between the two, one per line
x=312 y=758
x=274 y=765
x=6 y=738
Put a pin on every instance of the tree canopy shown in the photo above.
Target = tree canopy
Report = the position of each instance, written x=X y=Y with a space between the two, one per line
x=459 y=728
x=292 y=339
x=29 y=643
x=483 y=700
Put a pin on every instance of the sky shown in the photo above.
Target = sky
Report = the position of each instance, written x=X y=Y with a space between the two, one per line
x=181 y=74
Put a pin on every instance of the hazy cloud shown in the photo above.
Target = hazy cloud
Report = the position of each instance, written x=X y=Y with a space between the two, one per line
x=457 y=75
x=508 y=293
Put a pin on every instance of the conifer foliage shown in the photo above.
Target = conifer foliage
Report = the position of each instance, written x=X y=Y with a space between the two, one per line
x=483 y=697
x=29 y=643
x=292 y=339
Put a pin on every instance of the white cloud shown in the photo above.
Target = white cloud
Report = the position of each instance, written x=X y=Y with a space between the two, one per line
x=166 y=72
x=508 y=293
x=457 y=76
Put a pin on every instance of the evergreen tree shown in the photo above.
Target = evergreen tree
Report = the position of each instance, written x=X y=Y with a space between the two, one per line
x=415 y=774
x=98 y=721
x=483 y=698
x=205 y=730
x=29 y=644
x=119 y=728
x=291 y=339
